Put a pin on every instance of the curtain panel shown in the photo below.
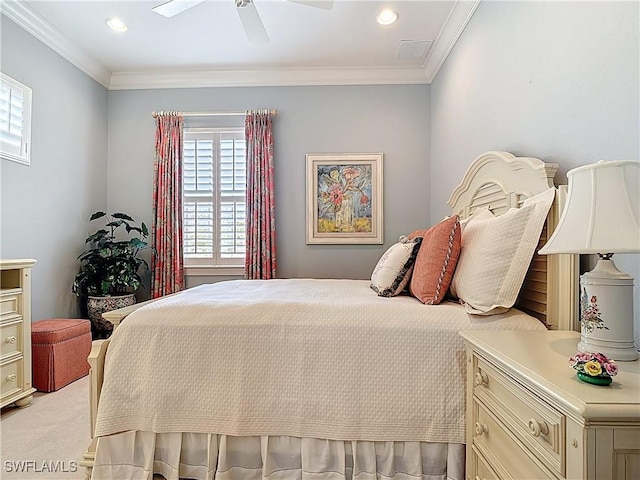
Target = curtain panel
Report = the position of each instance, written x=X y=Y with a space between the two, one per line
x=260 y=261
x=167 y=272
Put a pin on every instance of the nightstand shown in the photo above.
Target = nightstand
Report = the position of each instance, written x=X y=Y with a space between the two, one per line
x=529 y=417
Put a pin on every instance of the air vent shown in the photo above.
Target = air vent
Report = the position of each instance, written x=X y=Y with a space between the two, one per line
x=415 y=50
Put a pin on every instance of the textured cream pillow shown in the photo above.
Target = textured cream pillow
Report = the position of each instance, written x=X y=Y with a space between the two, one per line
x=480 y=213
x=393 y=271
x=496 y=253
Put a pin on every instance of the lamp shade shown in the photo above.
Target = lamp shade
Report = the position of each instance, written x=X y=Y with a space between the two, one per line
x=602 y=212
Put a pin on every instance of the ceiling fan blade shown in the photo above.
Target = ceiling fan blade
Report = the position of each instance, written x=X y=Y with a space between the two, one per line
x=252 y=23
x=324 y=4
x=174 y=7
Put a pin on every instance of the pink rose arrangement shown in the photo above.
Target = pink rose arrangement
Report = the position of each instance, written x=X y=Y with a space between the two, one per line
x=594 y=365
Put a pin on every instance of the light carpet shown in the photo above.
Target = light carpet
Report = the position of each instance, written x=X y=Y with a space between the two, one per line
x=51 y=434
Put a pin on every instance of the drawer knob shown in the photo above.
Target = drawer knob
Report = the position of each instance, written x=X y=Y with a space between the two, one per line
x=536 y=428
x=11 y=339
x=481 y=428
x=481 y=379
x=11 y=377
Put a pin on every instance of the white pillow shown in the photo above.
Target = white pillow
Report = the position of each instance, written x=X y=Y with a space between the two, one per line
x=496 y=253
x=393 y=270
x=480 y=213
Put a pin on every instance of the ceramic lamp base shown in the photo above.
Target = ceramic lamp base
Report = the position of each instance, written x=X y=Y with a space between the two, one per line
x=606 y=305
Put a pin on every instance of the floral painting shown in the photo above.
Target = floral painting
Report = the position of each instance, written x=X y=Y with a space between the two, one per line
x=344 y=198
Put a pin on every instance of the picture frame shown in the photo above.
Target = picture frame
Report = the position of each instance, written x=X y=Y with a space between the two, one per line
x=344 y=198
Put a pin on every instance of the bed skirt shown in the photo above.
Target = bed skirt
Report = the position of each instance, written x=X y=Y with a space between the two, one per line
x=141 y=455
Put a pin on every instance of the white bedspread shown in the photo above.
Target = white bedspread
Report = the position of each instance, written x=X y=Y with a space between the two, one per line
x=305 y=358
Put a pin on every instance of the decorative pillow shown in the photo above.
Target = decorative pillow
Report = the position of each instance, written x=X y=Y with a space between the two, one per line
x=481 y=214
x=496 y=253
x=393 y=271
x=436 y=261
x=416 y=234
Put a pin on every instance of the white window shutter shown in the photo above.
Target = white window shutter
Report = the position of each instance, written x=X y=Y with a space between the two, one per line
x=214 y=179
x=15 y=120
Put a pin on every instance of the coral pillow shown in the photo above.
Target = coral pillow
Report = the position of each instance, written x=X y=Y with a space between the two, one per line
x=416 y=234
x=436 y=261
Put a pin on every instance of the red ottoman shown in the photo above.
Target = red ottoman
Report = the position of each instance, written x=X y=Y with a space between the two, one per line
x=60 y=348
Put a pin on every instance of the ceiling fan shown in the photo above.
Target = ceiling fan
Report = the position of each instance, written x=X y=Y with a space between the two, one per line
x=247 y=11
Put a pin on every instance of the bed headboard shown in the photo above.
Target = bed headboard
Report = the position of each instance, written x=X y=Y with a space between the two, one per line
x=500 y=181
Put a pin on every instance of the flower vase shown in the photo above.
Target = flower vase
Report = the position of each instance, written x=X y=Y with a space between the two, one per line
x=602 y=381
x=344 y=216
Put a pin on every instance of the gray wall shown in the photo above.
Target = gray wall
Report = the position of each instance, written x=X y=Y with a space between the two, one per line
x=393 y=120
x=45 y=206
x=553 y=80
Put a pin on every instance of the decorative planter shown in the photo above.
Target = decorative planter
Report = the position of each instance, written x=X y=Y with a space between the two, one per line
x=602 y=381
x=96 y=306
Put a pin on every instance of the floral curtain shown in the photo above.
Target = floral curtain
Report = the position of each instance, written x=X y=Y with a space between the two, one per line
x=260 y=262
x=167 y=275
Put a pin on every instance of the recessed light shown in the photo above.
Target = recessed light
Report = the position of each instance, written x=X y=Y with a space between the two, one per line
x=116 y=24
x=387 y=17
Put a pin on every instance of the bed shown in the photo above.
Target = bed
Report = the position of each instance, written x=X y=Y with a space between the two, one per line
x=311 y=378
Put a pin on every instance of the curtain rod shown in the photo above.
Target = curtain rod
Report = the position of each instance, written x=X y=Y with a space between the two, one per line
x=209 y=114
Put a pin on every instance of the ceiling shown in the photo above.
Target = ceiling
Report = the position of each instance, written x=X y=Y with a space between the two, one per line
x=207 y=46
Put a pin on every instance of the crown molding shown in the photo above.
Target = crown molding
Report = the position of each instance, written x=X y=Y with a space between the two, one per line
x=39 y=28
x=456 y=22
x=453 y=27
x=266 y=77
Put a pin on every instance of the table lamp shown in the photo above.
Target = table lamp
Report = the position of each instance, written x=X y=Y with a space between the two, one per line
x=602 y=216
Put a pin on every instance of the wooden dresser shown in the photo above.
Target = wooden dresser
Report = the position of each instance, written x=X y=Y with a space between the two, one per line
x=529 y=417
x=15 y=329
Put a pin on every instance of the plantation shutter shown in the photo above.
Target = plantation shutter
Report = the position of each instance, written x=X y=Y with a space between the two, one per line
x=233 y=188
x=198 y=178
x=15 y=120
x=214 y=179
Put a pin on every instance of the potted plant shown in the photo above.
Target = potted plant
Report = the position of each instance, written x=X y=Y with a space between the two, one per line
x=109 y=273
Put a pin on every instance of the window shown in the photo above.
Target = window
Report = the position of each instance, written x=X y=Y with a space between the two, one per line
x=214 y=178
x=15 y=120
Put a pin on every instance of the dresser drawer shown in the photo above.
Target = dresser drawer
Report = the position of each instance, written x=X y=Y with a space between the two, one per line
x=10 y=305
x=538 y=425
x=510 y=457
x=481 y=469
x=11 y=378
x=10 y=338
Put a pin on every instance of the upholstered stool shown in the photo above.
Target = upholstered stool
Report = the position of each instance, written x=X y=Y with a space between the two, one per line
x=60 y=348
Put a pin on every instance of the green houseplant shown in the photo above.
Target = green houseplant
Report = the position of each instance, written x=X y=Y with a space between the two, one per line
x=109 y=273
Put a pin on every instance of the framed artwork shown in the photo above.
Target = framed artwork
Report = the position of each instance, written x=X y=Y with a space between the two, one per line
x=344 y=198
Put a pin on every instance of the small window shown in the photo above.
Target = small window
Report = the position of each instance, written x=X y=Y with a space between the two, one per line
x=214 y=179
x=15 y=120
